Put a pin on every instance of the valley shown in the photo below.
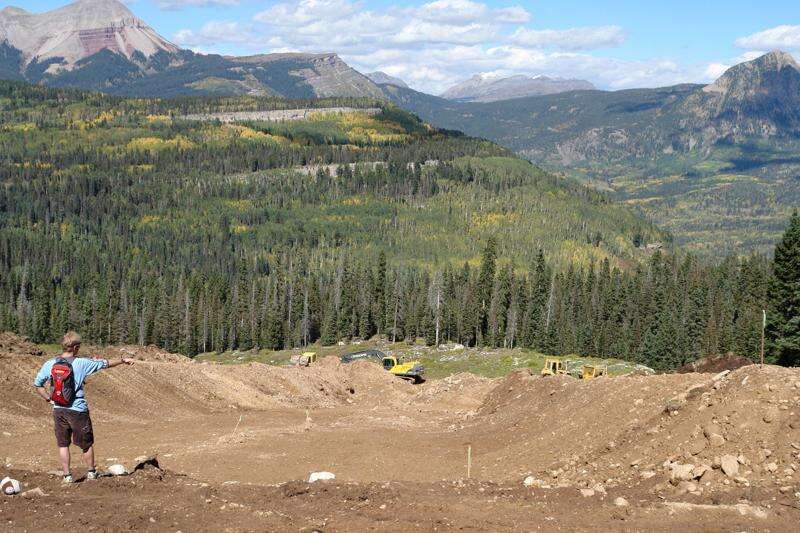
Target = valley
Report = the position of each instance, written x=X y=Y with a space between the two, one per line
x=715 y=165
x=555 y=289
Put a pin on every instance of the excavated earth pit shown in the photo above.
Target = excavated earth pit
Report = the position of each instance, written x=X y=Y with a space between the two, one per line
x=235 y=444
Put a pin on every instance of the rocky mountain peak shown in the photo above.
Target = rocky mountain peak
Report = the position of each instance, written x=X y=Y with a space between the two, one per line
x=758 y=97
x=12 y=10
x=79 y=30
x=761 y=73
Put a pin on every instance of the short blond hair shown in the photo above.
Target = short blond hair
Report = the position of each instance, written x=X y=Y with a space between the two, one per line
x=70 y=340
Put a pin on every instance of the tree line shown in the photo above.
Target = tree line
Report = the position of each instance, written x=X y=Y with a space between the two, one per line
x=663 y=314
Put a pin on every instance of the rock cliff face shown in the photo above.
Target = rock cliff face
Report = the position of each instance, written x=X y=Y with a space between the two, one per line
x=78 y=31
x=102 y=45
x=758 y=98
x=326 y=74
x=483 y=88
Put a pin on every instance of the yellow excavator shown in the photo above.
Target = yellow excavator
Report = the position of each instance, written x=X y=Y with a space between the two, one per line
x=409 y=370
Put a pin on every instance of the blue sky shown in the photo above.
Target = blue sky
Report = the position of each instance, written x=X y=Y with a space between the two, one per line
x=433 y=44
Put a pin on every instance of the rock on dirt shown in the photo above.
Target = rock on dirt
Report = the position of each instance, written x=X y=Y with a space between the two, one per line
x=9 y=486
x=321 y=476
x=531 y=481
x=680 y=472
x=117 y=470
x=771 y=415
x=619 y=501
x=729 y=465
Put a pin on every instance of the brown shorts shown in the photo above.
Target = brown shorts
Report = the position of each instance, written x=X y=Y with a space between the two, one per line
x=74 y=426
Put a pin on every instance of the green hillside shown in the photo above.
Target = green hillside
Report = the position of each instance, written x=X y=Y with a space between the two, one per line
x=718 y=168
x=248 y=184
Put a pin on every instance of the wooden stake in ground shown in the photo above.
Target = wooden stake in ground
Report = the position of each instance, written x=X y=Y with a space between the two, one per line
x=237 y=426
x=763 y=334
x=469 y=461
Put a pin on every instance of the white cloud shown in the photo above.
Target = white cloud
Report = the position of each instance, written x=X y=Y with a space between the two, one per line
x=510 y=15
x=570 y=39
x=784 y=37
x=748 y=56
x=212 y=33
x=308 y=11
x=179 y=4
x=437 y=44
x=451 y=11
x=715 y=70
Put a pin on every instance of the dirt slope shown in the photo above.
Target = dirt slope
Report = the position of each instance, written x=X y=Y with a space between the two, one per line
x=634 y=430
x=686 y=450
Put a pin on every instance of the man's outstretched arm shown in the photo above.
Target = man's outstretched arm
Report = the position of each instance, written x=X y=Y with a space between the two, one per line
x=95 y=365
x=123 y=361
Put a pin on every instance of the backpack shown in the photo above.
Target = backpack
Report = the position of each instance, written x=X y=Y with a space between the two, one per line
x=63 y=379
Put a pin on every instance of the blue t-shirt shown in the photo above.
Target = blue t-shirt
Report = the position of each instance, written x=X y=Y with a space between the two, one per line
x=81 y=368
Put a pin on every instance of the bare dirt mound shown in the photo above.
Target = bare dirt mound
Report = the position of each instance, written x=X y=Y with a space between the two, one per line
x=695 y=449
x=12 y=345
x=173 y=385
x=697 y=434
x=715 y=363
x=462 y=391
x=139 y=353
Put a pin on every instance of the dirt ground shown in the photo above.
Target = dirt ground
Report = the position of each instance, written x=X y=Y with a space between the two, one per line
x=236 y=444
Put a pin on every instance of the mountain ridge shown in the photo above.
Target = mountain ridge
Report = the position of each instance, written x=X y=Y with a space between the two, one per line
x=381 y=78
x=485 y=88
x=715 y=164
x=102 y=45
x=77 y=31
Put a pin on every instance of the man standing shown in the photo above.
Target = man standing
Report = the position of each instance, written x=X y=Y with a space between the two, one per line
x=66 y=375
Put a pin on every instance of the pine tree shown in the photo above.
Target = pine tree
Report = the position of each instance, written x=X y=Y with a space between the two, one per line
x=784 y=297
x=485 y=287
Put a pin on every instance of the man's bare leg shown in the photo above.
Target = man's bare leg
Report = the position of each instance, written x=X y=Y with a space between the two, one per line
x=63 y=454
x=88 y=458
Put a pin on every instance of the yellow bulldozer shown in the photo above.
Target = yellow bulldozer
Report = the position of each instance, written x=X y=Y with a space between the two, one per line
x=593 y=371
x=304 y=359
x=553 y=366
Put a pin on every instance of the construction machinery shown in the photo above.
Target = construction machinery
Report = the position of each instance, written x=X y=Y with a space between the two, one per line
x=593 y=371
x=553 y=366
x=375 y=355
x=411 y=370
x=305 y=359
x=408 y=370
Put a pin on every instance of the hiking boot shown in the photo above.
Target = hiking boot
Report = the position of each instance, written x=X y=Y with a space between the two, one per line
x=91 y=474
x=67 y=479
